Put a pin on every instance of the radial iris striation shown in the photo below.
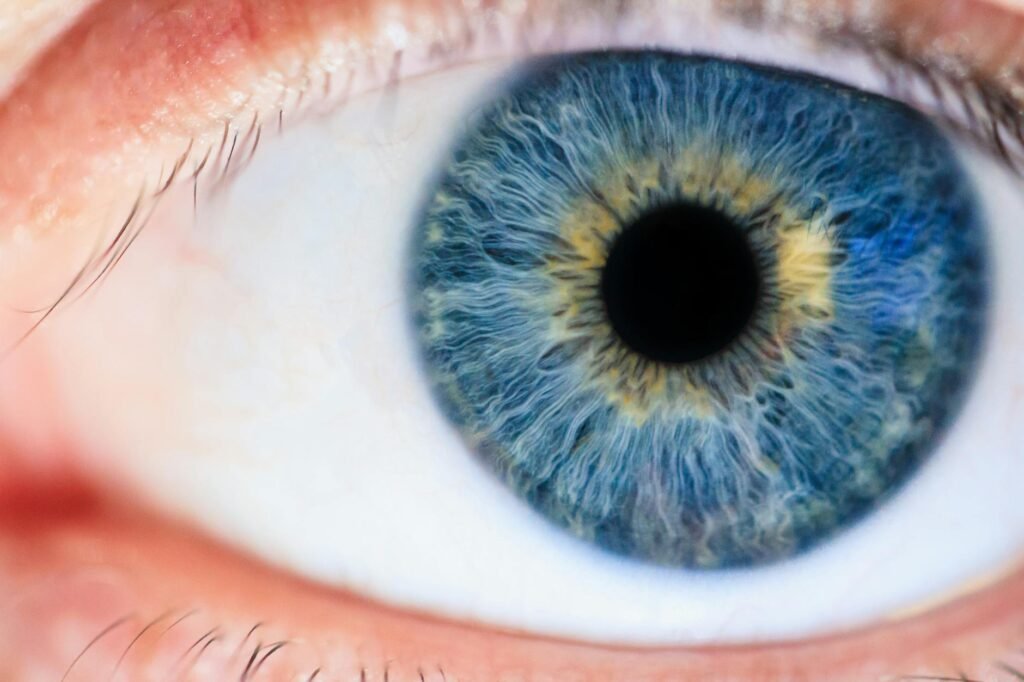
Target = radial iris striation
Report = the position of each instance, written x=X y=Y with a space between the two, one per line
x=699 y=312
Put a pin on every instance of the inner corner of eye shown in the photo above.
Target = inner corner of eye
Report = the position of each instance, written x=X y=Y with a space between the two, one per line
x=679 y=331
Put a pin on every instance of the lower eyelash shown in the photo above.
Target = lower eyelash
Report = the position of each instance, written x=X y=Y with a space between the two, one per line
x=251 y=658
x=244 y=662
x=989 y=111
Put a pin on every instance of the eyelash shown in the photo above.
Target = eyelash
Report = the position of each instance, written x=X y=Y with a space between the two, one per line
x=966 y=103
x=248 y=662
x=976 y=108
x=250 y=665
x=245 y=663
x=970 y=105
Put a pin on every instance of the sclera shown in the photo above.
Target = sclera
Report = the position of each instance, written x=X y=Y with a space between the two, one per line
x=259 y=382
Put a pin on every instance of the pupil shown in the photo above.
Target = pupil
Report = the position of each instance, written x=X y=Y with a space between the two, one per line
x=680 y=284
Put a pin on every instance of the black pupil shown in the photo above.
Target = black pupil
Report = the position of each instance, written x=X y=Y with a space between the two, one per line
x=680 y=284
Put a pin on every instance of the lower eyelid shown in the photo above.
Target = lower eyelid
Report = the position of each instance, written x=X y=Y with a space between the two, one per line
x=85 y=569
x=342 y=633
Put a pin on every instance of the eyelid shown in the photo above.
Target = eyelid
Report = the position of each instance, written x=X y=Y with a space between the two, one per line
x=26 y=28
x=131 y=84
x=105 y=113
x=979 y=37
x=237 y=67
x=136 y=562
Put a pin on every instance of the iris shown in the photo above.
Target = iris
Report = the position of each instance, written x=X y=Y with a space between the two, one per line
x=699 y=312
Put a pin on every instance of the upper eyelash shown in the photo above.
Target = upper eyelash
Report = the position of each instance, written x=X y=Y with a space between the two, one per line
x=979 y=108
x=972 y=105
x=985 y=109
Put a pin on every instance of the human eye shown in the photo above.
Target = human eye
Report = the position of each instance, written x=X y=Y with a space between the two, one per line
x=331 y=354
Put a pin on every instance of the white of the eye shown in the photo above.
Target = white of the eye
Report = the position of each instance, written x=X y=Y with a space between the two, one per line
x=255 y=374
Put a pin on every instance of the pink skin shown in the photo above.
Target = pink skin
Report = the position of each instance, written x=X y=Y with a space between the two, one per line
x=77 y=552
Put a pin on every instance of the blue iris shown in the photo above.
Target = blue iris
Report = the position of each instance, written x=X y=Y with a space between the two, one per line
x=868 y=294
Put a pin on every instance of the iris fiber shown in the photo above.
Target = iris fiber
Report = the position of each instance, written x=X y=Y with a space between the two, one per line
x=839 y=351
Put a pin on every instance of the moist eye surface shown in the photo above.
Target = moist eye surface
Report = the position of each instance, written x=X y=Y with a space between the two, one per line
x=698 y=312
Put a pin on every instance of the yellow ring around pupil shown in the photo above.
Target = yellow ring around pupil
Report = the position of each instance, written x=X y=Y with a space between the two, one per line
x=795 y=242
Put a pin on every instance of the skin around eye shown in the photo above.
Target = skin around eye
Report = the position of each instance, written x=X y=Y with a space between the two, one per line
x=140 y=558
x=243 y=366
x=158 y=594
x=27 y=27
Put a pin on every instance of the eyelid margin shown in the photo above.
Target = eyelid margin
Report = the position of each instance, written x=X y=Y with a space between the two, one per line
x=132 y=83
x=136 y=561
x=88 y=125
x=207 y=124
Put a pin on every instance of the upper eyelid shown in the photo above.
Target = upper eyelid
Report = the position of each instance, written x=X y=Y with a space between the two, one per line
x=156 y=90
x=142 y=78
x=25 y=32
x=215 y=133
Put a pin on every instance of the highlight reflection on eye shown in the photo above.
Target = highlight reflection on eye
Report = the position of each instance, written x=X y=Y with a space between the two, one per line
x=535 y=344
x=581 y=262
